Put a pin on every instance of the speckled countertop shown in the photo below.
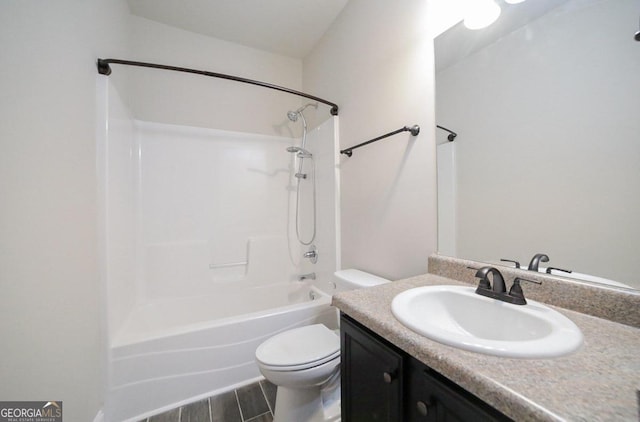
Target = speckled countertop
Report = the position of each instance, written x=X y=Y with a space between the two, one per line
x=599 y=382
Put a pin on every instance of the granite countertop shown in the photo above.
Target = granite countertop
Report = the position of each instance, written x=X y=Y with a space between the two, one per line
x=599 y=382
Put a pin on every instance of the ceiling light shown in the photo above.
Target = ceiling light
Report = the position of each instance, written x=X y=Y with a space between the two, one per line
x=481 y=13
x=514 y=1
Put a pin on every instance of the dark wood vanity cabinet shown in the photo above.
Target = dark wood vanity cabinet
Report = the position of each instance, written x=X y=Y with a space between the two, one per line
x=432 y=397
x=382 y=383
x=371 y=371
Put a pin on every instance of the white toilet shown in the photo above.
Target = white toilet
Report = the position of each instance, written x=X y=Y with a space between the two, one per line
x=304 y=363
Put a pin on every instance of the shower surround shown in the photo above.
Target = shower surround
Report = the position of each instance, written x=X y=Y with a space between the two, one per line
x=198 y=245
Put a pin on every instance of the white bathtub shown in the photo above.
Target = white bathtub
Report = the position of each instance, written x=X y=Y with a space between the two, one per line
x=174 y=352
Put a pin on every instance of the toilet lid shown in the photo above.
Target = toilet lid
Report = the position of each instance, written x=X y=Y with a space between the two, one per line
x=302 y=346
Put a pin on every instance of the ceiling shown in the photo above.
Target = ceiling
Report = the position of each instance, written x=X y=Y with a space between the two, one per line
x=288 y=27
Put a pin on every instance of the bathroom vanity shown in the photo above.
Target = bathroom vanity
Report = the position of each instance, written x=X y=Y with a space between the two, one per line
x=383 y=383
x=391 y=373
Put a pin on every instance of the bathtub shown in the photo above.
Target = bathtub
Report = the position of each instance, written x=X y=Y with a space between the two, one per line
x=174 y=352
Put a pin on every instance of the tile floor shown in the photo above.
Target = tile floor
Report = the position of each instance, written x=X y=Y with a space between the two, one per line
x=251 y=403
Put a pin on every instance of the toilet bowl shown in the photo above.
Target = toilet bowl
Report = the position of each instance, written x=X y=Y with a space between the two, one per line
x=304 y=363
x=300 y=362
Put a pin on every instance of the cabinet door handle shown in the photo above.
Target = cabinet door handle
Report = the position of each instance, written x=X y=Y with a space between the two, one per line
x=388 y=377
x=423 y=408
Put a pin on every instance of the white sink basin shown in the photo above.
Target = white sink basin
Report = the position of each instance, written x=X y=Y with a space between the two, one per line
x=457 y=316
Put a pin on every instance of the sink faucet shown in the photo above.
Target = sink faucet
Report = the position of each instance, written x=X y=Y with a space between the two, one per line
x=310 y=276
x=496 y=288
x=535 y=261
x=485 y=283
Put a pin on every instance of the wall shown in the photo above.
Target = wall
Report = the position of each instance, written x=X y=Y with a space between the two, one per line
x=376 y=63
x=50 y=324
x=447 y=198
x=194 y=100
x=548 y=162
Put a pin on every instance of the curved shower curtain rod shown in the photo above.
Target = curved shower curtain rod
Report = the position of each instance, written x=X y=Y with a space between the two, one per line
x=105 y=69
x=452 y=135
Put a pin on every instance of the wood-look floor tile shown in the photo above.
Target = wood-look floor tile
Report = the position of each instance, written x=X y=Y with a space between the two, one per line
x=252 y=401
x=262 y=418
x=270 y=391
x=224 y=408
x=172 y=415
x=196 y=412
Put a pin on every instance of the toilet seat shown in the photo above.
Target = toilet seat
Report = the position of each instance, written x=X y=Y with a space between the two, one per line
x=299 y=348
x=307 y=365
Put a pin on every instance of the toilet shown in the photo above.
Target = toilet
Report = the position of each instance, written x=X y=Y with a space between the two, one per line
x=304 y=363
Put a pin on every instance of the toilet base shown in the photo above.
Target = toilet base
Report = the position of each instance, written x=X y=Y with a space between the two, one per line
x=302 y=405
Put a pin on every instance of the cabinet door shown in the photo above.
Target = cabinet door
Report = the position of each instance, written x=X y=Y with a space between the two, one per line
x=371 y=377
x=434 y=398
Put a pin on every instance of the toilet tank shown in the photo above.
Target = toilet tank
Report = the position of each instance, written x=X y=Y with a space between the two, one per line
x=351 y=279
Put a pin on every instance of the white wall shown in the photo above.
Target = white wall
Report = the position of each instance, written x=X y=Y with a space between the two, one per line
x=195 y=100
x=447 y=198
x=52 y=338
x=550 y=168
x=376 y=63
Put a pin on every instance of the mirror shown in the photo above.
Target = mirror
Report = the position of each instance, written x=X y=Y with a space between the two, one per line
x=547 y=159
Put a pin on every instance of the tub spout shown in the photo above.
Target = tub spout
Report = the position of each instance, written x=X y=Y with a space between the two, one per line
x=310 y=276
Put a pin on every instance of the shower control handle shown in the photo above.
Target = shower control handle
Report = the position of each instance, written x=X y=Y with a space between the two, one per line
x=312 y=254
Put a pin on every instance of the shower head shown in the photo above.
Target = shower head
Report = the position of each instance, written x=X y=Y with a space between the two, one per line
x=301 y=152
x=293 y=115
